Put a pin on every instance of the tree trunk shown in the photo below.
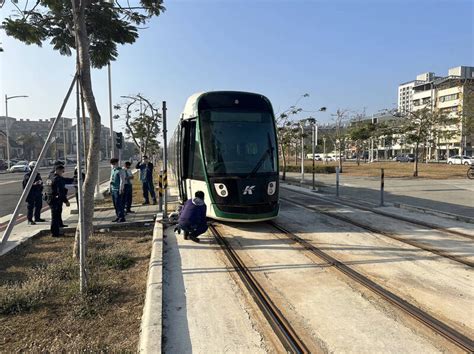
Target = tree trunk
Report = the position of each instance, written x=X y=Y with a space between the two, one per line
x=82 y=47
x=283 y=177
x=340 y=158
x=415 y=167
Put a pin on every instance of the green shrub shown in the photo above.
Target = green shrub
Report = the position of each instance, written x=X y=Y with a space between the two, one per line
x=309 y=169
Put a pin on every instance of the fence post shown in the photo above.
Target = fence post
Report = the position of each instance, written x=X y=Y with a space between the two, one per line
x=382 y=185
x=337 y=181
x=160 y=191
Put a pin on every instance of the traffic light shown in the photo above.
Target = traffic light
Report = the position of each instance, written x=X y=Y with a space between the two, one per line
x=119 y=140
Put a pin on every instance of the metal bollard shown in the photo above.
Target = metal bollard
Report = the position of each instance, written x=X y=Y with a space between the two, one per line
x=382 y=185
x=337 y=181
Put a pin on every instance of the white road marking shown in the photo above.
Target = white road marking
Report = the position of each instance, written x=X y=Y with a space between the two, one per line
x=8 y=182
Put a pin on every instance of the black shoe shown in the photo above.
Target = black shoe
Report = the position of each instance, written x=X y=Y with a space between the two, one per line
x=121 y=220
x=195 y=239
x=40 y=220
x=31 y=222
x=63 y=225
x=145 y=203
x=116 y=220
x=186 y=235
x=155 y=202
x=58 y=235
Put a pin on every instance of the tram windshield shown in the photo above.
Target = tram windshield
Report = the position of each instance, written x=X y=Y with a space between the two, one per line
x=237 y=142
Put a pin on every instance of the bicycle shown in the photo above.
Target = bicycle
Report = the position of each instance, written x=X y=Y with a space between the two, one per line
x=470 y=172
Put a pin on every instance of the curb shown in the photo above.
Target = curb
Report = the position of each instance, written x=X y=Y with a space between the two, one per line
x=151 y=325
x=434 y=212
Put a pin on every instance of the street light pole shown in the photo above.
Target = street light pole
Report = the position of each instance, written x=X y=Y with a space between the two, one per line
x=6 y=123
x=112 y=150
x=302 y=152
x=324 y=150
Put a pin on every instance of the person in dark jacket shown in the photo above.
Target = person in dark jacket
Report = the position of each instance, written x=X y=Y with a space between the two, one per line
x=34 y=199
x=57 y=196
x=146 y=177
x=128 y=188
x=192 y=218
x=50 y=177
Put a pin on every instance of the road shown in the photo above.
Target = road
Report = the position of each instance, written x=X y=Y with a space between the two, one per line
x=10 y=187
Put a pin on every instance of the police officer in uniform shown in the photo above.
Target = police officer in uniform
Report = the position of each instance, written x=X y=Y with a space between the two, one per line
x=34 y=199
x=50 y=177
x=56 y=195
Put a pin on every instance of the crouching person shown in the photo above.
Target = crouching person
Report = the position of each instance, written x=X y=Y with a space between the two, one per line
x=192 y=219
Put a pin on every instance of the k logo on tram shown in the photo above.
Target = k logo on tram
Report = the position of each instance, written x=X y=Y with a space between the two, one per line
x=248 y=190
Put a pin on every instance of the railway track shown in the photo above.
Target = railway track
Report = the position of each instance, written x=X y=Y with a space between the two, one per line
x=383 y=213
x=374 y=230
x=286 y=334
x=426 y=319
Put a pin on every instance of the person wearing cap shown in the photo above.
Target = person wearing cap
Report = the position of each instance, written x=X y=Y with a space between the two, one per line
x=51 y=176
x=146 y=177
x=34 y=200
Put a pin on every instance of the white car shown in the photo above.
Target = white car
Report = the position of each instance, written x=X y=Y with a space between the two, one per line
x=21 y=166
x=460 y=160
x=317 y=157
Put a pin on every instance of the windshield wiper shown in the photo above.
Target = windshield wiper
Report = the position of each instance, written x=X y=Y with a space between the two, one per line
x=268 y=152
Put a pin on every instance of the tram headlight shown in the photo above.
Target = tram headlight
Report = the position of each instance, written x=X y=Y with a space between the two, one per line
x=271 y=189
x=221 y=190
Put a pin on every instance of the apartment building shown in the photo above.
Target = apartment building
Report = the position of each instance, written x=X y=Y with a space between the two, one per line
x=449 y=94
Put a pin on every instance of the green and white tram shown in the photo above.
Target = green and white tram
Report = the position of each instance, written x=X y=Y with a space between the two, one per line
x=226 y=146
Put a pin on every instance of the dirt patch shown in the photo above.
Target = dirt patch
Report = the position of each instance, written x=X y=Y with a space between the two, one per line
x=40 y=305
x=398 y=169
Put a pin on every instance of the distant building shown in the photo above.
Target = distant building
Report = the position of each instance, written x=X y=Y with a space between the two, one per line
x=448 y=94
x=27 y=138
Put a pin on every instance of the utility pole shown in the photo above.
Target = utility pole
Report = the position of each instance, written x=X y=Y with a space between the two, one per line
x=302 y=152
x=165 y=164
x=112 y=150
x=324 y=150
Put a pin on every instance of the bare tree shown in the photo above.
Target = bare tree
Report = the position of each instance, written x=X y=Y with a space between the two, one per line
x=423 y=125
x=143 y=125
x=339 y=118
x=286 y=133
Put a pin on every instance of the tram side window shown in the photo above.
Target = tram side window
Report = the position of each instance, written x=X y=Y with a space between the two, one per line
x=194 y=169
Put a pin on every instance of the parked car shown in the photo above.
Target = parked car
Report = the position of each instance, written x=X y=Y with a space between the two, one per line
x=317 y=157
x=21 y=166
x=3 y=165
x=460 y=160
x=405 y=158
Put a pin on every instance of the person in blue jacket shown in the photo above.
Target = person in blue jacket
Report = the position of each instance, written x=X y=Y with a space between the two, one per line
x=146 y=177
x=192 y=218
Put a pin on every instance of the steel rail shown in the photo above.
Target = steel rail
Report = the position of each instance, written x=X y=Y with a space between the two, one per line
x=436 y=325
x=286 y=334
x=383 y=213
x=380 y=232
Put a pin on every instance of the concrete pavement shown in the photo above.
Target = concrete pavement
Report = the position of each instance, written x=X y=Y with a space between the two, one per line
x=455 y=196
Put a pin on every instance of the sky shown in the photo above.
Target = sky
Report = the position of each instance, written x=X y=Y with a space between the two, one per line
x=349 y=54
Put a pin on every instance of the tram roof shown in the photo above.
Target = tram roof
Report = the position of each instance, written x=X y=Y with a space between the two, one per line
x=191 y=106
